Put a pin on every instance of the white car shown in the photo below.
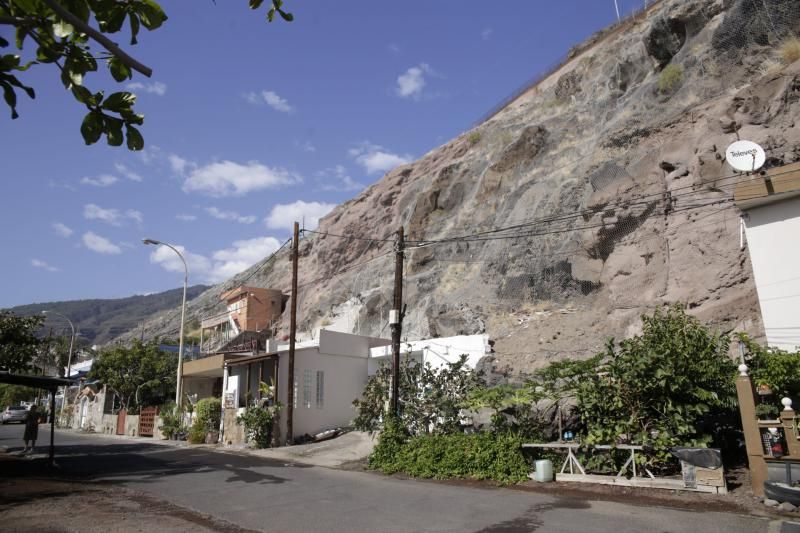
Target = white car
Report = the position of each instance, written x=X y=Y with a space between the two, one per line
x=14 y=413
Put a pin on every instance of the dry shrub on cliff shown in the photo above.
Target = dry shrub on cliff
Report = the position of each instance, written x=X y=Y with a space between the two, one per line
x=790 y=50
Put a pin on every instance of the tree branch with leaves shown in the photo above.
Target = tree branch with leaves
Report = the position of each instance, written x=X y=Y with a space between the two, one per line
x=63 y=36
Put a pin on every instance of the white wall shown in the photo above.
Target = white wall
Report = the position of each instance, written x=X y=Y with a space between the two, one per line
x=438 y=352
x=344 y=380
x=773 y=240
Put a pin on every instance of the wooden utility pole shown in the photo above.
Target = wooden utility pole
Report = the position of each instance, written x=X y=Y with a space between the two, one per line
x=396 y=319
x=292 y=334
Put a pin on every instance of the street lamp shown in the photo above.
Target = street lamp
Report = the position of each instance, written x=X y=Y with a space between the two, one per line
x=183 y=314
x=69 y=357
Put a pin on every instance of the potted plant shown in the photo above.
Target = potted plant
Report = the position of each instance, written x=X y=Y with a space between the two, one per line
x=766 y=411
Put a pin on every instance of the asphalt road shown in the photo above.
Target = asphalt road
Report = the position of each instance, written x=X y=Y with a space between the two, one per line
x=266 y=495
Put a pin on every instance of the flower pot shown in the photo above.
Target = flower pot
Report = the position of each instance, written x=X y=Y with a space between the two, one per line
x=212 y=437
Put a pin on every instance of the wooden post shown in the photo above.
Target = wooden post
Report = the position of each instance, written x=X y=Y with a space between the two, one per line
x=396 y=320
x=752 y=434
x=292 y=334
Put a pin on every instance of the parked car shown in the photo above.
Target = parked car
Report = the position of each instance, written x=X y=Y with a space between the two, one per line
x=14 y=413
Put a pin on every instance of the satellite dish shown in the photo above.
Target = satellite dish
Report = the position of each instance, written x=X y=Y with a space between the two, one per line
x=745 y=156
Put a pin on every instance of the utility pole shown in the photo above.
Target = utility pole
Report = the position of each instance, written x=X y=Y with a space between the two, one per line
x=292 y=334
x=396 y=319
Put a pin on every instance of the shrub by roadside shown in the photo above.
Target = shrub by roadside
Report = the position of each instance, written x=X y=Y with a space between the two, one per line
x=483 y=455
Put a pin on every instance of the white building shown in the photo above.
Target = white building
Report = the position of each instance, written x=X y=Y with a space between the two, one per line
x=771 y=206
x=437 y=352
x=329 y=373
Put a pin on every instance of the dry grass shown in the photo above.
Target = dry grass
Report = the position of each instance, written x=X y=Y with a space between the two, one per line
x=789 y=51
x=770 y=67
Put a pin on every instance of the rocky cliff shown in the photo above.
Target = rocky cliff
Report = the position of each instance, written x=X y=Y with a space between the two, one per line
x=600 y=193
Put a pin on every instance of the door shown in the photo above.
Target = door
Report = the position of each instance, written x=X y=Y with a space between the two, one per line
x=121 y=421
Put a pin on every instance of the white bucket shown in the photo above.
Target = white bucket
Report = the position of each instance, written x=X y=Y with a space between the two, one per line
x=544 y=471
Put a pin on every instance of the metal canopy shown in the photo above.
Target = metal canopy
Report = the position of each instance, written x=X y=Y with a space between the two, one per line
x=50 y=383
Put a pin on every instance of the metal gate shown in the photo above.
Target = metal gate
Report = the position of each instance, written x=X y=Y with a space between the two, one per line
x=147 y=419
x=121 y=421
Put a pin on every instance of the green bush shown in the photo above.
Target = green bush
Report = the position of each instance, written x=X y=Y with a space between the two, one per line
x=209 y=413
x=670 y=386
x=670 y=78
x=171 y=419
x=430 y=398
x=197 y=434
x=483 y=455
x=259 y=417
x=776 y=368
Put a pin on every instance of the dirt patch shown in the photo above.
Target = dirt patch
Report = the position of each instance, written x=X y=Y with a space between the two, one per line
x=48 y=505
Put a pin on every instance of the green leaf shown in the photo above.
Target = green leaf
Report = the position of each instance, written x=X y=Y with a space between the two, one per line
x=92 y=127
x=11 y=99
x=134 y=21
x=151 y=14
x=119 y=101
x=83 y=95
x=3 y=43
x=288 y=17
x=135 y=139
x=113 y=130
x=255 y=4
x=119 y=70
x=113 y=23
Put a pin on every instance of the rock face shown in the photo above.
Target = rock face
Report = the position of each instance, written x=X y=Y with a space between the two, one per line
x=597 y=195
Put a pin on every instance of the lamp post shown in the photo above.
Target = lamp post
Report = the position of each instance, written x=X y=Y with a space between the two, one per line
x=178 y=387
x=69 y=357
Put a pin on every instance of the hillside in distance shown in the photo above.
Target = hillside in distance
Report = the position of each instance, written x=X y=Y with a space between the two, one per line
x=597 y=194
x=102 y=320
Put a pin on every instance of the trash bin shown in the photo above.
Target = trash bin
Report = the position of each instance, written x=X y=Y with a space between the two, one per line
x=543 y=471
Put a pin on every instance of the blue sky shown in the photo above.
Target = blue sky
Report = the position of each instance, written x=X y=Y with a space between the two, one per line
x=250 y=126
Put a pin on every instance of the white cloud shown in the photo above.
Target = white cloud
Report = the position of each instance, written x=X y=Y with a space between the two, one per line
x=230 y=215
x=393 y=48
x=486 y=33
x=276 y=102
x=110 y=216
x=153 y=88
x=177 y=163
x=133 y=214
x=411 y=83
x=95 y=212
x=283 y=216
x=104 y=180
x=375 y=158
x=43 y=265
x=186 y=218
x=62 y=229
x=99 y=244
x=227 y=178
x=198 y=265
x=223 y=264
x=240 y=256
x=337 y=179
x=309 y=147
x=125 y=171
x=270 y=98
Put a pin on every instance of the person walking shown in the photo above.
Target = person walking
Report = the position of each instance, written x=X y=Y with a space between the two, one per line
x=31 y=429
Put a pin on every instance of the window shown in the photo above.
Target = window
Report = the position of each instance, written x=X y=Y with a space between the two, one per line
x=307 y=377
x=320 y=389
